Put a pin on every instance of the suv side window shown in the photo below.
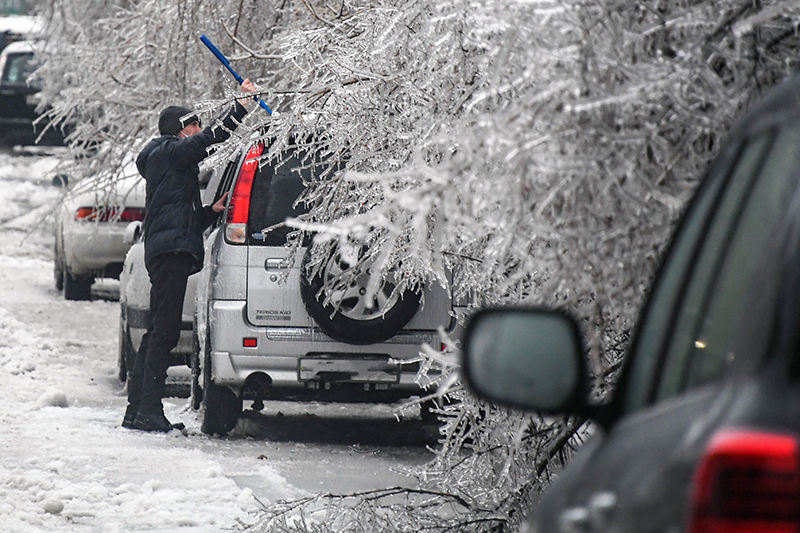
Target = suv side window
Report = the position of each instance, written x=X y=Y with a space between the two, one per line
x=222 y=184
x=228 y=176
x=660 y=307
x=736 y=172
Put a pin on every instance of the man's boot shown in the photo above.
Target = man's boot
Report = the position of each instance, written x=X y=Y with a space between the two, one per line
x=130 y=415
x=154 y=422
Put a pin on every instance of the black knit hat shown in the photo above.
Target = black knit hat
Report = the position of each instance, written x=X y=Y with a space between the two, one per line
x=169 y=121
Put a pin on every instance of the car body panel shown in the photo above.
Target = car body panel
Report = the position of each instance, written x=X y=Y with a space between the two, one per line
x=279 y=350
x=649 y=490
x=272 y=305
x=135 y=300
x=267 y=280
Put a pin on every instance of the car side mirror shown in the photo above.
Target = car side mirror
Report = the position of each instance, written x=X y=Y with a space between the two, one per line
x=527 y=358
x=132 y=232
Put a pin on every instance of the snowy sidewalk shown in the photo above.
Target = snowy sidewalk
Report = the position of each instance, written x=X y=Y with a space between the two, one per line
x=65 y=464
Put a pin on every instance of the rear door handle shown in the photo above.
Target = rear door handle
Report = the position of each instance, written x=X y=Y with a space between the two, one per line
x=275 y=264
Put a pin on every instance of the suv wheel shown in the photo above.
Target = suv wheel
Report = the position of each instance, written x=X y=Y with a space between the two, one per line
x=221 y=406
x=349 y=315
x=77 y=287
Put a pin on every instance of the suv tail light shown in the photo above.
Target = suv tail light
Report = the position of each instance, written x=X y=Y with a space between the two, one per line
x=109 y=214
x=239 y=207
x=747 y=482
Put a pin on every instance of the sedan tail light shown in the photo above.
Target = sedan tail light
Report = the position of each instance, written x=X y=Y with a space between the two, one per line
x=109 y=214
x=239 y=207
x=747 y=482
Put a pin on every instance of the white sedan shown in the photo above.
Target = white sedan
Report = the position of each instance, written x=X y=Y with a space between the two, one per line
x=90 y=224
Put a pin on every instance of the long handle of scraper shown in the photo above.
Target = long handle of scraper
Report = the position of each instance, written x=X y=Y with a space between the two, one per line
x=227 y=65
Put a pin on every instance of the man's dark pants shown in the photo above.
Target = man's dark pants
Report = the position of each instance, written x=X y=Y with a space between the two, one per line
x=168 y=274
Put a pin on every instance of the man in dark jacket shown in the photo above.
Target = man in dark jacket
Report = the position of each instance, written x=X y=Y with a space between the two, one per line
x=173 y=242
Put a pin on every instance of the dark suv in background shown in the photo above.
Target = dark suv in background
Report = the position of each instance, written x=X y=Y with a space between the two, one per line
x=703 y=431
x=19 y=100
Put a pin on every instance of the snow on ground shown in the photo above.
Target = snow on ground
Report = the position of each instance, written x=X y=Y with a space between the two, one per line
x=65 y=462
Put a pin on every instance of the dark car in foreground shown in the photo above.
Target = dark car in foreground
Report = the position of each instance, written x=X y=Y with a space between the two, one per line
x=703 y=431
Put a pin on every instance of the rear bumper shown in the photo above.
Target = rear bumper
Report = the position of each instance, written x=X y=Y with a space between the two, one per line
x=92 y=248
x=305 y=358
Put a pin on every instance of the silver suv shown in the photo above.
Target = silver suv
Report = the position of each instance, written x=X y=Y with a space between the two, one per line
x=264 y=328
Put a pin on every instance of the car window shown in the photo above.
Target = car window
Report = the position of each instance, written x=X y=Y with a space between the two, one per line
x=219 y=183
x=228 y=175
x=276 y=187
x=708 y=264
x=734 y=170
x=18 y=68
x=713 y=348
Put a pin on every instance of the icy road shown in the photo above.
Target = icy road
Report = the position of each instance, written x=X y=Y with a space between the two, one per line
x=67 y=465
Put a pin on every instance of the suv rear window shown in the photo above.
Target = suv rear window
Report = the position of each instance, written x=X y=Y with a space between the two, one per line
x=277 y=185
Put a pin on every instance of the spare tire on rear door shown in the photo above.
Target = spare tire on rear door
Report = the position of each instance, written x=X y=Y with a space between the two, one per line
x=337 y=299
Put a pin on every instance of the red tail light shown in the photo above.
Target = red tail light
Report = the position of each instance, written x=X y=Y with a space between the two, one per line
x=239 y=207
x=106 y=214
x=748 y=482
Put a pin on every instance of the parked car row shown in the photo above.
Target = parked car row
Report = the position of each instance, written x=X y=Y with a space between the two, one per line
x=256 y=327
x=703 y=431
